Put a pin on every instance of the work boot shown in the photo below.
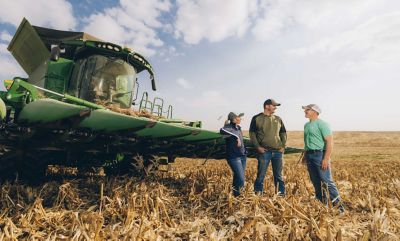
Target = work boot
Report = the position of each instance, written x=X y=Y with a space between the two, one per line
x=279 y=194
x=339 y=205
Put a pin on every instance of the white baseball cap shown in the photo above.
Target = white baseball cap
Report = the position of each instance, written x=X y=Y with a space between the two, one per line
x=313 y=107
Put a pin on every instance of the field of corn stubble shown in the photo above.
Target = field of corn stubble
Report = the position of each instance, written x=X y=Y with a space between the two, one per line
x=193 y=201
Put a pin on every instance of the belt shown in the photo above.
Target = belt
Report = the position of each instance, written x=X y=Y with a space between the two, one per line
x=314 y=151
x=271 y=148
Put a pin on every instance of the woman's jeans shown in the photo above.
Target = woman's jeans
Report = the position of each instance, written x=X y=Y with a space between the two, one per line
x=277 y=164
x=238 y=167
x=321 y=179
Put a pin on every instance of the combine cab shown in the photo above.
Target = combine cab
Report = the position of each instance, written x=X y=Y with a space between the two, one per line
x=75 y=109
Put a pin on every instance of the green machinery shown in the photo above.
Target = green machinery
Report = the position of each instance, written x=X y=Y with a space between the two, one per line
x=58 y=116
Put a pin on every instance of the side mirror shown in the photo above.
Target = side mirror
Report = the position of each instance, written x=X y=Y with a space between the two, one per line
x=55 y=53
x=153 y=82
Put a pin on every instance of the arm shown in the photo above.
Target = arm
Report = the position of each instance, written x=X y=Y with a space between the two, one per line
x=228 y=131
x=328 y=152
x=303 y=154
x=253 y=136
x=283 y=136
x=252 y=132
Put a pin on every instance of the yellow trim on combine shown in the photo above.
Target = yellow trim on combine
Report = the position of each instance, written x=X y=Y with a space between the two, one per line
x=8 y=83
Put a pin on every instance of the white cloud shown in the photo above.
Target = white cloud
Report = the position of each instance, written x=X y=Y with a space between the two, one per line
x=169 y=51
x=314 y=17
x=132 y=23
x=55 y=13
x=3 y=49
x=148 y=11
x=9 y=69
x=184 y=83
x=275 y=15
x=5 y=36
x=368 y=45
x=212 y=20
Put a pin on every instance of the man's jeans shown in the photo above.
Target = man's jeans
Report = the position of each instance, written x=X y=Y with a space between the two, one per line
x=238 y=167
x=263 y=161
x=321 y=179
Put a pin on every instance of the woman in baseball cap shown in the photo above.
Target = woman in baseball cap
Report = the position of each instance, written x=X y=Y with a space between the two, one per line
x=235 y=150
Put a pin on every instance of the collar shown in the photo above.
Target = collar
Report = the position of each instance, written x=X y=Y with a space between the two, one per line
x=237 y=127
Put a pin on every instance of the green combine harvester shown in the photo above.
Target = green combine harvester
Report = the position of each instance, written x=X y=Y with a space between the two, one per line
x=75 y=109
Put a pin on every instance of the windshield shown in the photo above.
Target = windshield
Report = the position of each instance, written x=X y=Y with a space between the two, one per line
x=107 y=81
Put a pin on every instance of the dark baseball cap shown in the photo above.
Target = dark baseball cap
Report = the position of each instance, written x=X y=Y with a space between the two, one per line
x=271 y=102
x=232 y=115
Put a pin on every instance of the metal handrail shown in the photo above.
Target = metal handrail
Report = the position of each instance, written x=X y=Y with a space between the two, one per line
x=159 y=106
x=169 y=112
x=145 y=100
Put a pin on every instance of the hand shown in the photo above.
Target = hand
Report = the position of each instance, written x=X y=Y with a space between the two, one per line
x=239 y=143
x=261 y=149
x=325 y=164
x=282 y=149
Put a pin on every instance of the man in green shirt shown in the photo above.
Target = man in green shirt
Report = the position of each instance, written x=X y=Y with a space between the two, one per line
x=318 y=143
x=268 y=135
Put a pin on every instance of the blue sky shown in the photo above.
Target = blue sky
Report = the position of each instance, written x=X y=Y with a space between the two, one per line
x=213 y=57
